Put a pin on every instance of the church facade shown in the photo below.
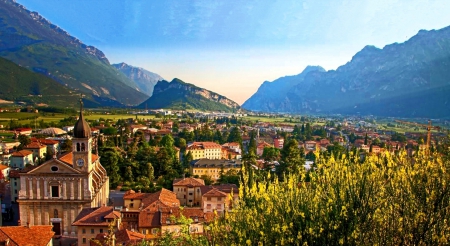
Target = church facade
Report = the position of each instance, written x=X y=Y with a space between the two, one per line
x=56 y=191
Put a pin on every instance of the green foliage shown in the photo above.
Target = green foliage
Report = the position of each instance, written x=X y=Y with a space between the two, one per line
x=20 y=84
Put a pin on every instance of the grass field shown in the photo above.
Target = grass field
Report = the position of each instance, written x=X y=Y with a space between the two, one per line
x=30 y=118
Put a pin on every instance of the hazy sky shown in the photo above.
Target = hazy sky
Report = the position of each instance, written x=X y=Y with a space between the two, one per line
x=232 y=46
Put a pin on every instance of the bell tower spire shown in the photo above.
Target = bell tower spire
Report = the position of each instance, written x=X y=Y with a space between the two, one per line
x=82 y=143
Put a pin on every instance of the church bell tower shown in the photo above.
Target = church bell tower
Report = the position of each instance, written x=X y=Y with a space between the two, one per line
x=82 y=144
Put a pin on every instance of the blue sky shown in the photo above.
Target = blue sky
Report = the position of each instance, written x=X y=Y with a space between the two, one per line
x=232 y=46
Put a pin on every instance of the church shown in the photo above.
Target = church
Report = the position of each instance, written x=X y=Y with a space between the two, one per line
x=56 y=191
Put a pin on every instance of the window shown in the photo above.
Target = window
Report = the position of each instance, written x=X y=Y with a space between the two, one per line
x=83 y=147
x=154 y=231
x=54 y=168
x=92 y=231
x=208 y=199
x=55 y=191
x=101 y=230
x=78 y=146
x=84 y=232
x=190 y=193
x=131 y=205
x=219 y=199
x=15 y=183
x=190 y=200
x=84 y=240
x=144 y=231
x=15 y=191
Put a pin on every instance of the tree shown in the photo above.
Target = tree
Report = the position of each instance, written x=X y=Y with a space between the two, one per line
x=235 y=136
x=110 y=161
x=270 y=154
x=291 y=158
x=24 y=141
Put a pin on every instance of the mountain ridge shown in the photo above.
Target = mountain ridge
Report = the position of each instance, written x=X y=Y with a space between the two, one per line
x=373 y=77
x=33 y=42
x=144 y=79
x=178 y=94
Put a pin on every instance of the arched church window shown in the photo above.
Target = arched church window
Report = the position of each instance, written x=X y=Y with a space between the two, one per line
x=83 y=147
x=78 y=146
x=55 y=213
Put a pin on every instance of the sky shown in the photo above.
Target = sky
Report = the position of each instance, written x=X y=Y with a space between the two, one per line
x=232 y=46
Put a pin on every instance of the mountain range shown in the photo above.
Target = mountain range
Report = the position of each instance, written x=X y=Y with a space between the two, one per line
x=33 y=42
x=178 y=94
x=145 y=80
x=410 y=79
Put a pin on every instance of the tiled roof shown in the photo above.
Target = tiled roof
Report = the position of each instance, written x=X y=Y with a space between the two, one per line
x=35 y=145
x=22 y=153
x=131 y=194
x=126 y=236
x=225 y=188
x=94 y=216
x=68 y=158
x=3 y=167
x=190 y=182
x=28 y=236
x=163 y=214
x=214 y=193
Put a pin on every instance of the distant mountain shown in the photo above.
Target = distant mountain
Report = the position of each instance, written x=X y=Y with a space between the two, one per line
x=180 y=95
x=271 y=96
x=145 y=80
x=33 y=42
x=20 y=84
x=410 y=79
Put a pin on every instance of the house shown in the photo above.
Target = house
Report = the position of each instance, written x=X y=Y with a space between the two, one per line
x=217 y=199
x=310 y=145
x=135 y=202
x=261 y=146
x=92 y=221
x=23 y=131
x=278 y=142
x=21 y=158
x=208 y=150
x=188 y=191
x=158 y=219
x=26 y=235
x=213 y=168
x=120 y=237
x=4 y=172
x=52 y=145
x=39 y=150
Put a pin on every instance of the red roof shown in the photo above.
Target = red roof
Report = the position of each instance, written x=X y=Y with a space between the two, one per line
x=189 y=182
x=35 y=145
x=22 y=153
x=68 y=158
x=28 y=236
x=95 y=216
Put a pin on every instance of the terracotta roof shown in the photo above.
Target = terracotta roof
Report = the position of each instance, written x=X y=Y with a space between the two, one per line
x=35 y=145
x=163 y=214
x=28 y=236
x=214 y=193
x=131 y=194
x=126 y=236
x=189 y=182
x=21 y=153
x=94 y=216
x=68 y=158
x=44 y=141
x=3 y=167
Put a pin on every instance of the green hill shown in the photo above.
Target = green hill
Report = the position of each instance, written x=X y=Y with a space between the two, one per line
x=20 y=84
x=33 y=42
x=180 y=95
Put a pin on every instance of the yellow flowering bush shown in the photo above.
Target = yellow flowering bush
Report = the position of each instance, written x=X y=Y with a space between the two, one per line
x=386 y=200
